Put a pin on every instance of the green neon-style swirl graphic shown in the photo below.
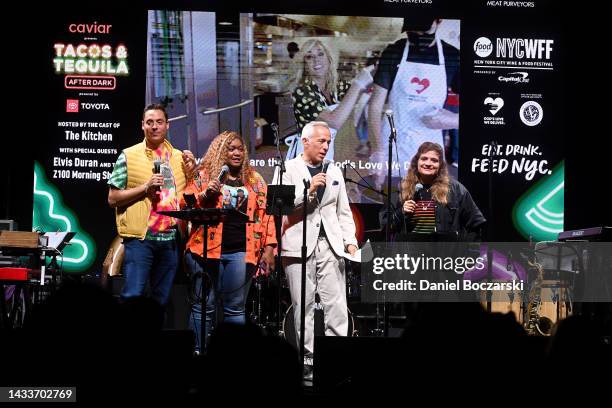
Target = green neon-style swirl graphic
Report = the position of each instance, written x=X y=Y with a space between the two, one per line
x=51 y=214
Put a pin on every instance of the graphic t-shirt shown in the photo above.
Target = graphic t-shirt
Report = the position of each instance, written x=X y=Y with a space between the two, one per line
x=166 y=199
x=423 y=220
x=235 y=195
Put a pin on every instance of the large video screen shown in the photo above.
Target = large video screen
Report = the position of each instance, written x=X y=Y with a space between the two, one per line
x=483 y=82
x=282 y=71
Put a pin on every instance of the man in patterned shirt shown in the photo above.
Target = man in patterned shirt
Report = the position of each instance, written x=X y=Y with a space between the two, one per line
x=148 y=177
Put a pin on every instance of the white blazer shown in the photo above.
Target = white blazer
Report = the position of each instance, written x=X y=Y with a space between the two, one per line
x=333 y=212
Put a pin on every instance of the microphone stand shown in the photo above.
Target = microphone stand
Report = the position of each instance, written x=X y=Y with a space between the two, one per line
x=303 y=291
x=278 y=220
x=392 y=138
x=377 y=331
x=492 y=153
x=366 y=186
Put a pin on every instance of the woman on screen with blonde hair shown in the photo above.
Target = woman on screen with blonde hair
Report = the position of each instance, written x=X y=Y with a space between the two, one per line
x=320 y=95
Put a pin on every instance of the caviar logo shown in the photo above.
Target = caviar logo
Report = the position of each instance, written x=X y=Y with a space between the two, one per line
x=89 y=28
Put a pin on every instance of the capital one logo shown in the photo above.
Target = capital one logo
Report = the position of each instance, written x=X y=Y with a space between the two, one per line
x=515 y=77
x=483 y=47
x=72 y=105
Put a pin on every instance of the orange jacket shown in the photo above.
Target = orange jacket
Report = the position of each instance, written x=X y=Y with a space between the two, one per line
x=259 y=233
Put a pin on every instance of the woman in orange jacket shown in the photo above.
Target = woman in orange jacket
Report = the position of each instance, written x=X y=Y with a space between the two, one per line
x=234 y=248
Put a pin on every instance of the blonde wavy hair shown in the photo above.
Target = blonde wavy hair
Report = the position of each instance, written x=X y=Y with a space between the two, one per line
x=300 y=73
x=217 y=156
x=441 y=184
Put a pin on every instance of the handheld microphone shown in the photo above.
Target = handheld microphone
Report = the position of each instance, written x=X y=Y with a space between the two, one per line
x=417 y=190
x=157 y=170
x=190 y=200
x=389 y=115
x=224 y=170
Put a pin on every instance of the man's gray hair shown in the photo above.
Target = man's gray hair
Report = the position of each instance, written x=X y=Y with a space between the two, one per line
x=309 y=128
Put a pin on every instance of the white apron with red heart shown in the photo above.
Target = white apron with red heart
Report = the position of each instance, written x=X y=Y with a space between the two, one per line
x=418 y=90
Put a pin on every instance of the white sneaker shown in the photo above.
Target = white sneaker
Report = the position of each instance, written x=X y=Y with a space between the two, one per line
x=307 y=373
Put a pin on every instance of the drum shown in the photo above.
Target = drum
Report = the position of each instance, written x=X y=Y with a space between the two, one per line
x=505 y=302
x=288 y=328
x=554 y=303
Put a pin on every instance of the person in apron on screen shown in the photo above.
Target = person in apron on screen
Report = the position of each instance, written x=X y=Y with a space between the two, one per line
x=414 y=75
x=320 y=95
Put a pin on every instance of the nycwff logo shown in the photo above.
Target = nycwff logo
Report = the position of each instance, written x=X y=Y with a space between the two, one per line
x=527 y=48
x=515 y=48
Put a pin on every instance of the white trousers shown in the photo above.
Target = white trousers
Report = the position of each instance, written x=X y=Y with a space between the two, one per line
x=325 y=276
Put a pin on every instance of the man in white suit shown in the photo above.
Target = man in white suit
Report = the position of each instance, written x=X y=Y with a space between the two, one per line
x=330 y=233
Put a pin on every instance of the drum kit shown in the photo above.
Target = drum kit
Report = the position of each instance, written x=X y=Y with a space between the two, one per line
x=266 y=299
x=554 y=292
x=547 y=297
x=554 y=305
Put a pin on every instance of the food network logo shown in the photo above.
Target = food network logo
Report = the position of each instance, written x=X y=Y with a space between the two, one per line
x=483 y=47
x=518 y=48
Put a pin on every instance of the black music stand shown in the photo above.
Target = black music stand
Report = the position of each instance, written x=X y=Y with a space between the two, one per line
x=205 y=217
x=280 y=200
x=56 y=242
